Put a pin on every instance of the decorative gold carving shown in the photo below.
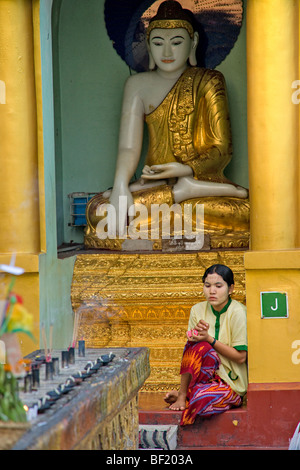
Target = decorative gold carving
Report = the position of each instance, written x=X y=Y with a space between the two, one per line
x=137 y=300
x=170 y=24
x=217 y=241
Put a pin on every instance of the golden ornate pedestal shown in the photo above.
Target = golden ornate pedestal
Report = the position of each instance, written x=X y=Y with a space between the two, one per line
x=133 y=300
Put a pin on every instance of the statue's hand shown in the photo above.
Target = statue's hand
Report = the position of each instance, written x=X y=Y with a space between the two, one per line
x=121 y=198
x=166 y=170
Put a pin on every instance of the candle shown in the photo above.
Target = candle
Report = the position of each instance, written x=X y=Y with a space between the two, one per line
x=35 y=376
x=49 y=370
x=65 y=359
x=81 y=348
x=28 y=382
x=55 y=361
x=71 y=355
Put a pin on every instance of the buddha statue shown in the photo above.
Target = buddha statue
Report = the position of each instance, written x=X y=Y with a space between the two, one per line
x=186 y=111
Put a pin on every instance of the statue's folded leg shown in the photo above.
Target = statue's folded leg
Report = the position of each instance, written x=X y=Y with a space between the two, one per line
x=226 y=219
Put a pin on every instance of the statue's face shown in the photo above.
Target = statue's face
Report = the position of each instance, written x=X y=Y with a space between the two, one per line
x=170 y=48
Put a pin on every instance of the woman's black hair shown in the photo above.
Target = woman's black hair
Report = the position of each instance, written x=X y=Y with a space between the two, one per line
x=222 y=270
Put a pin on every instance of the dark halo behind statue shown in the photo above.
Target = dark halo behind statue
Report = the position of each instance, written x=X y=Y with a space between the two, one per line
x=218 y=24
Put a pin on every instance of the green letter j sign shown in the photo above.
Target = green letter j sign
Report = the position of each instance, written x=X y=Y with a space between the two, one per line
x=274 y=305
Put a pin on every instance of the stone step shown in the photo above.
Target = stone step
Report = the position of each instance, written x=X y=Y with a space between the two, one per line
x=231 y=430
x=153 y=436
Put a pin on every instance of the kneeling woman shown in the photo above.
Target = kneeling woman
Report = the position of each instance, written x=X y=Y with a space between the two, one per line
x=214 y=363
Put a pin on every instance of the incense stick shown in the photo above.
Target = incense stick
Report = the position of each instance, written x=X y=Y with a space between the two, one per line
x=51 y=339
x=44 y=341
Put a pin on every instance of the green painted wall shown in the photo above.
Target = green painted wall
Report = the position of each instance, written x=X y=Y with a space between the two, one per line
x=88 y=86
x=55 y=274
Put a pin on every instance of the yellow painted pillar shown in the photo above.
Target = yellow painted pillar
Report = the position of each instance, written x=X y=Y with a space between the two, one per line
x=298 y=105
x=273 y=263
x=273 y=343
x=22 y=213
x=19 y=195
x=272 y=67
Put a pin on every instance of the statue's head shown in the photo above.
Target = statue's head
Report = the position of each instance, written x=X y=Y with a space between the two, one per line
x=173 y=25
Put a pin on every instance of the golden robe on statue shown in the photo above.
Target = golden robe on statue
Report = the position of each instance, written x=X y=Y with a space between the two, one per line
x=191 y=126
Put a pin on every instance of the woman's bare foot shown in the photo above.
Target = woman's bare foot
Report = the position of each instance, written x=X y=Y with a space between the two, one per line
x=176 y=400
x=171 y=397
